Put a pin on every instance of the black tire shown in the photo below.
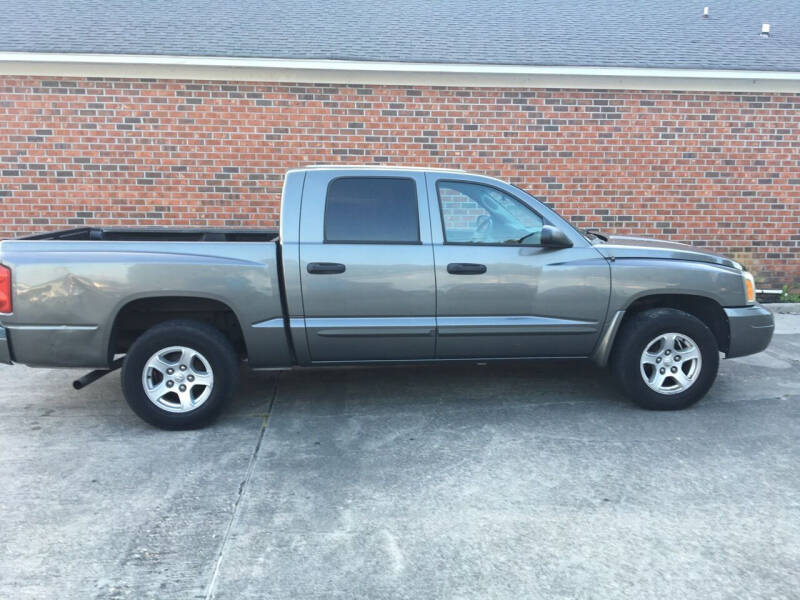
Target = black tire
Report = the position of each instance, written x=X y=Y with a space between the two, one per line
x=631 y=342
x=206 y=340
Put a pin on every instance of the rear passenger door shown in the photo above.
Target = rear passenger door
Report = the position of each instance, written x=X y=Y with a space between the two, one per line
x=367 y=266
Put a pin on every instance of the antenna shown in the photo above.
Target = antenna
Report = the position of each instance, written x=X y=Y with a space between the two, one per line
x=765 y=30
x=705 y=12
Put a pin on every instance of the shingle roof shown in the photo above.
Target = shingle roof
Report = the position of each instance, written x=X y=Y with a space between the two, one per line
x=611 y=33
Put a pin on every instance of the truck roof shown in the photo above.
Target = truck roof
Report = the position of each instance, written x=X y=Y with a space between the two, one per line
x=352 y=167
x=398 y=169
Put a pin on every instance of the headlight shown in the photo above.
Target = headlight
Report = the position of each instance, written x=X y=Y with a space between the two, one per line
x=749 y=286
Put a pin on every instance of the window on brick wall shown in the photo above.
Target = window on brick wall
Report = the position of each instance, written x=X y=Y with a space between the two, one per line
x=372 y=210
x=478 y=214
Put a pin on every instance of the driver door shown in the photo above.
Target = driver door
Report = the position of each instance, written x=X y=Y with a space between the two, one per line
x=499 y=293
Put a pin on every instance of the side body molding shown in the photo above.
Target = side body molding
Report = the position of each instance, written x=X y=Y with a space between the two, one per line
x=512 y=325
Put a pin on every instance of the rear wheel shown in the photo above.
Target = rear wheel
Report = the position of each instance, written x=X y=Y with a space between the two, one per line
x=665 y=359
x=179 y=374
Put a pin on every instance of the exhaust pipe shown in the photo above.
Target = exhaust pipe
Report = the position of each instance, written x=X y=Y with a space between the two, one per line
x=93 y=376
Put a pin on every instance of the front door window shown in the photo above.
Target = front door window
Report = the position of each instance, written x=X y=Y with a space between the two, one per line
x=479 y=214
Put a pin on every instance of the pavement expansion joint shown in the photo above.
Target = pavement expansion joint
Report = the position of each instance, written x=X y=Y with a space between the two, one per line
x=212 y=584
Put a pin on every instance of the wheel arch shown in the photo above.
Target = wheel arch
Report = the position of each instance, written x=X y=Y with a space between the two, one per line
x=706 y=309
x=136 y=315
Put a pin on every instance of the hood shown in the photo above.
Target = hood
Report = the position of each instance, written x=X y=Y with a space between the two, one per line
x=619 y=246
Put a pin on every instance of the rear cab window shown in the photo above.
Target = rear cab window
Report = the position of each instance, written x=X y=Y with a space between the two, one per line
x=372 y=210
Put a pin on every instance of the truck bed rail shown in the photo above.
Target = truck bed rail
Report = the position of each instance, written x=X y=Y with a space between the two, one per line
x=157 y=234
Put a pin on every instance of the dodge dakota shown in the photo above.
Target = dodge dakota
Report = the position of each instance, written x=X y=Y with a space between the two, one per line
x=372 y=266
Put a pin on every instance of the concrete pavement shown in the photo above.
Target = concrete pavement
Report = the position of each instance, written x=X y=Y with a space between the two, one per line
x=504 y=481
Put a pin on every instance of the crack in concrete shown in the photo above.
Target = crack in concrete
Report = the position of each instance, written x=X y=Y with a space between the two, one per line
x=211 y=589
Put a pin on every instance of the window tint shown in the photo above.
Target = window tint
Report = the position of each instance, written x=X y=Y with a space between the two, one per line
x=372 y=209
x=479 y=214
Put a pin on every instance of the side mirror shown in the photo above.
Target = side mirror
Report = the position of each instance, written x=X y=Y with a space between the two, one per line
x=554 y=238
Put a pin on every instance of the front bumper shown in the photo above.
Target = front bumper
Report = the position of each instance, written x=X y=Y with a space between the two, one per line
x=5 y=350
x=751 y=330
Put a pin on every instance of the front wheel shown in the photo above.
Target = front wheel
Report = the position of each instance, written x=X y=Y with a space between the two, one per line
x=665 y=359
x=179 y=374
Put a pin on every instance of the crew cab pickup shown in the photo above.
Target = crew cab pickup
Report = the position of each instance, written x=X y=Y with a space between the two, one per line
x=372 y=266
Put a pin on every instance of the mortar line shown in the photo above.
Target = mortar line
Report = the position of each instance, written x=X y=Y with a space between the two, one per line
x=251 y=465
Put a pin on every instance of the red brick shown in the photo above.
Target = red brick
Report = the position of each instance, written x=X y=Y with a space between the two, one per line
x=721 y=169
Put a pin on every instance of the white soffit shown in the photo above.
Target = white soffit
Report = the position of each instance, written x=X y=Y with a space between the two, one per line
x=392 y=73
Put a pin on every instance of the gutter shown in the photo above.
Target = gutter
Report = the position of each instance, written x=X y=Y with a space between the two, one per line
x=392 y=73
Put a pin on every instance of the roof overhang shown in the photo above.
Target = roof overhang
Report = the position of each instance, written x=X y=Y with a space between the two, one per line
x=393 y=73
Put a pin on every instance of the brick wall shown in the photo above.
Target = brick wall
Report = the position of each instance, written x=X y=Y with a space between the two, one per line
x=721 y=170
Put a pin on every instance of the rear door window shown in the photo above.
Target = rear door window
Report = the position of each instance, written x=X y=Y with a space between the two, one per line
x=376 y=210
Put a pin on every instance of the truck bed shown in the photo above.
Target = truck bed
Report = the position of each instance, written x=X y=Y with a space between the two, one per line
x=74 y=288
x=157 y=234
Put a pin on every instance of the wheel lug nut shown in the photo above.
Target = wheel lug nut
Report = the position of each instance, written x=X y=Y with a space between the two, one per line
x=677 y=358
x=170 y=371
x=662 y=370
x=668 y=352
x=190 y=378
x=170 y=383
x=183 y=367
x=674 y=369
x=182 y=388
x=658 y=360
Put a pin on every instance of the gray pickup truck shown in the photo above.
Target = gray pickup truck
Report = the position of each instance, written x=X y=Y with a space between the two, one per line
x=372 y=266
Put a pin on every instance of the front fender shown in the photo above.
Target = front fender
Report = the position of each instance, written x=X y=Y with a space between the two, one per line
x=636 y=278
